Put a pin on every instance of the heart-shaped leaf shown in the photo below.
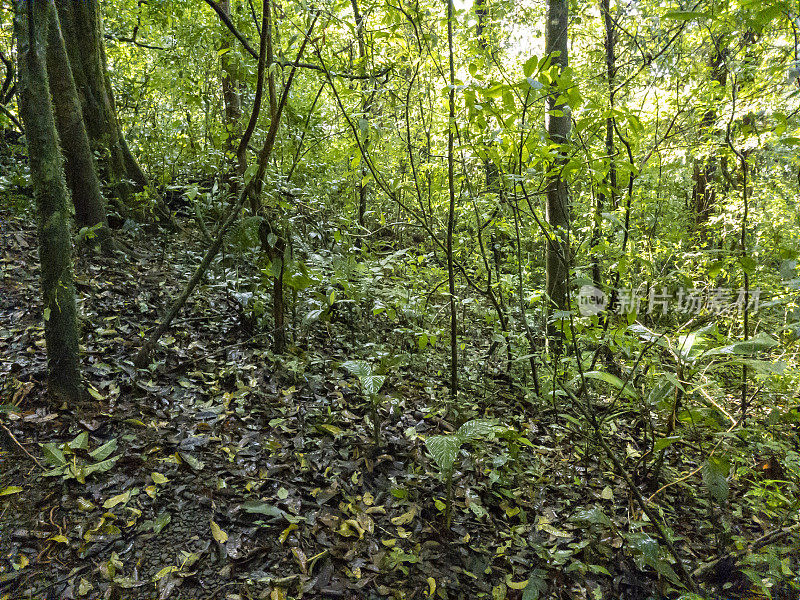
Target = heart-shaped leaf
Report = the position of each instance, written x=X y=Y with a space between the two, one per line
x=444 y=449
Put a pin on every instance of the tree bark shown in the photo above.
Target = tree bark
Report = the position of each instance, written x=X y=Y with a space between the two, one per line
x=609 y=193
x=79 y=167
x=451 y=278
x=362 y=189
x=81 y=26
x=230 y=91
x=557 y=123
x=52 y=200
x=706 y=172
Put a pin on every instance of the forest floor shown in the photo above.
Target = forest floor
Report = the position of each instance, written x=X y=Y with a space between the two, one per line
x=223 y=471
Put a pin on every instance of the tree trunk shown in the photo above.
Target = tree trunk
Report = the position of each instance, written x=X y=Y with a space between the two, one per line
x=609 y=191
x=706 y=172
x=557 y=123
x=230 y=90
x=81 y=26
x=362 y=189
x=451 y=278
x=52 y=202
x=79 y=167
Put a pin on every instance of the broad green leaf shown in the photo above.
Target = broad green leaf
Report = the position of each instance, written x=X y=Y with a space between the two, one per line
x=102 y=466
x=477 y=428
x=665 y=442
x=162 y=521
x=81 y=442
x=11 y=489
x=663 y=390
x=195 y=463
x=444 y=449
x=330 y=429
x=594 y=515
x=359 y=368
x=530 y=65
x=614 y=381
x=715 y=478
x=164 y=572
x=53 y=455
x=757 y=343
x=104 y=451
x=262 y=508
x=372 y=384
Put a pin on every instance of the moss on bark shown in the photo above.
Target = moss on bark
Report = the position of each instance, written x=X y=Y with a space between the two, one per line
x=81 y=176
x=52 y=202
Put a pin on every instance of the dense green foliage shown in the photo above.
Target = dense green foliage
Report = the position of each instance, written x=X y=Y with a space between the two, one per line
x=681 y=397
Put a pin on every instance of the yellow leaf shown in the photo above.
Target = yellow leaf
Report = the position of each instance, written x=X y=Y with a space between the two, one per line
x=277 y=594
x=331 y=429
x=285 y=533
x=94 y=393
x=389 y=543
x=516 y=585
x=118 y=499
x=218 y=534
x=164 y=572
x=406 y=517
x=12 y=489
x=158 y=477
x=61 y=539
x=431 y=586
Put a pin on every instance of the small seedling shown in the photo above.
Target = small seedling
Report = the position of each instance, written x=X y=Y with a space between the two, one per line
x=371 y=384
x=445 y=448
x=73 y=460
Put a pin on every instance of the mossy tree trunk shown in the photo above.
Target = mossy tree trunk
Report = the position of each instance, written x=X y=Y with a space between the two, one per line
x=81 y=26
x=52 y=201
x=557 y=123
x=230 y=84
x=79 y=167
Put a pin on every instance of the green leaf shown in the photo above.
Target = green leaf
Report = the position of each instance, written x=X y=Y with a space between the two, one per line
x=477 y=428
x=195 y=463
x=595 y=515
x=359 y=368
x=104 y=451
x=758 y=343
x=11 y=489
x=330 y=429
x=81 y=442
x=100 y=467
x=54 y=455
x=262 y=508
x=164 y=572
x=444 y=449
x=372 y=384
x=715 y=479
x=162 y=521
x=665 y=442
x=614 y=381
x=529 y=68
x=663 y=390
